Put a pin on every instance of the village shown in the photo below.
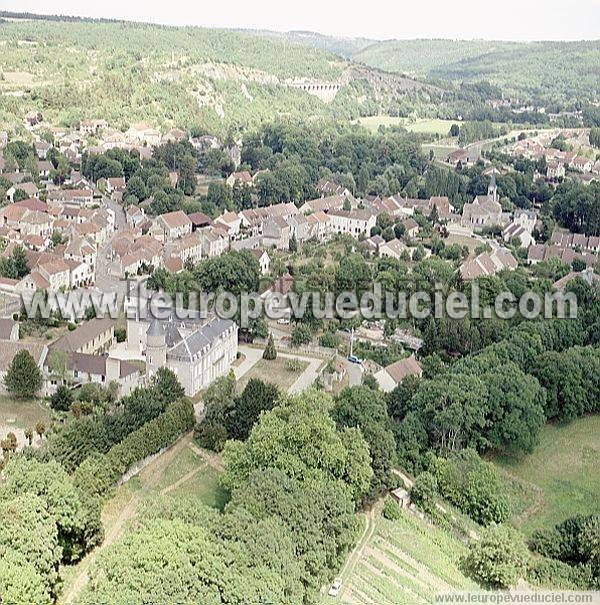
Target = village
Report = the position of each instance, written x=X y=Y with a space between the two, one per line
x=79 y=235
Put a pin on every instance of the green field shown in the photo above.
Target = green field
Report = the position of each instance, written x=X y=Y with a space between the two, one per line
x=430 y=126
x=560 y=479
x=404 y=561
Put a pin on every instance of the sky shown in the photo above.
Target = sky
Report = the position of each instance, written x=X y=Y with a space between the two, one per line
x=378 y=19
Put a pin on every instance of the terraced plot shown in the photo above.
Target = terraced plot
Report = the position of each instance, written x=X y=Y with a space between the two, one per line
x=405 y=561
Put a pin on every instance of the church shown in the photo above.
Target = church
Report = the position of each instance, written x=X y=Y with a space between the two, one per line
x=485 y=210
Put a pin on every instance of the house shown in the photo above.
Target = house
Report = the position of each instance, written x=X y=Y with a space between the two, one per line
x=242 y=178
x=395 y=248
x=461 y=157
x=276 y=233
x=44 y=169
x=198 y=351
x=526 y=218
x=353 y=222
x=516 y=230
x=9 y=329
x=411 y=227
x=327 y=188
x=319 y=225
x=253 y=219
x=581 y=164
x=41 y=149
x=374 y=242
x=299 y=227
x=200 y=220
x=555 y=170
x=387 y=205
x=331 y=202
x=487 y=264
x=587 y=275
x=28 y=188
x=391 y=376
x=57 y=273
x=174 y=135
x=91 y=127
x=115 y=184
x=214 y=242
x=187 y=248
x=135 y=216
x=82 y=250
x=174 y=224
x=92 y=337
x=72 y=197
x=442 y=205
x=231 y=221
x=263 y=260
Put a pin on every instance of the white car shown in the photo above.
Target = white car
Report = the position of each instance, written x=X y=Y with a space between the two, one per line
x=335 y=587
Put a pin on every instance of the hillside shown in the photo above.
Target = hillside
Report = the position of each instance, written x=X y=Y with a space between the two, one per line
x=551 y=71
x=190 y=77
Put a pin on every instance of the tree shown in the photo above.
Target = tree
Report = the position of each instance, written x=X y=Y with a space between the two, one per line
x=425 y=491
x=361 y=407
x=29 y=435
x=23 y=378
x=40 y=429
x=211 y=433
x=498 y=559
x=293 y=243
x=257 y=397
x=270 y=351
x=61 y=399
x=9 y=444
x=302 y=440
x=301 y=335
x=166 y=385
x=454 y=130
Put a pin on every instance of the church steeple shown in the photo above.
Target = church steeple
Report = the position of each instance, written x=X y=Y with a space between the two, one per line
x=492 y=188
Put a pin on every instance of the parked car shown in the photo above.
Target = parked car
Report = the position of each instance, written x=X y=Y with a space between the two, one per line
x=335 y=587
x=354 y=359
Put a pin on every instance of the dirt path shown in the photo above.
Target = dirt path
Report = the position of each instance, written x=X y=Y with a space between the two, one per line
x=150 y=477
x=213 y=460
x=358 y=550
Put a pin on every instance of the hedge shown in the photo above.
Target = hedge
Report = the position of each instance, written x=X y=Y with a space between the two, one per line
x=98 y=473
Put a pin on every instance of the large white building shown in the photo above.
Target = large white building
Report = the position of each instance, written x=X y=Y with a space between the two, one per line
x=198 y=351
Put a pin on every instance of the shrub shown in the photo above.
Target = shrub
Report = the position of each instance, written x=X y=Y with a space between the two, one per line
x=391 y=510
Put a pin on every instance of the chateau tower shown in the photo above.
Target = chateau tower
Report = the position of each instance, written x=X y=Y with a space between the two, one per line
x=156 y=348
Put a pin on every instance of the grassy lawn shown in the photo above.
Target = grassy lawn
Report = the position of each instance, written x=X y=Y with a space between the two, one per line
x=204 y=486
x=427 y=126
x=22 y=414
x=560 y=479
x=404 y=561
x=440 y=152
x=275 y=371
